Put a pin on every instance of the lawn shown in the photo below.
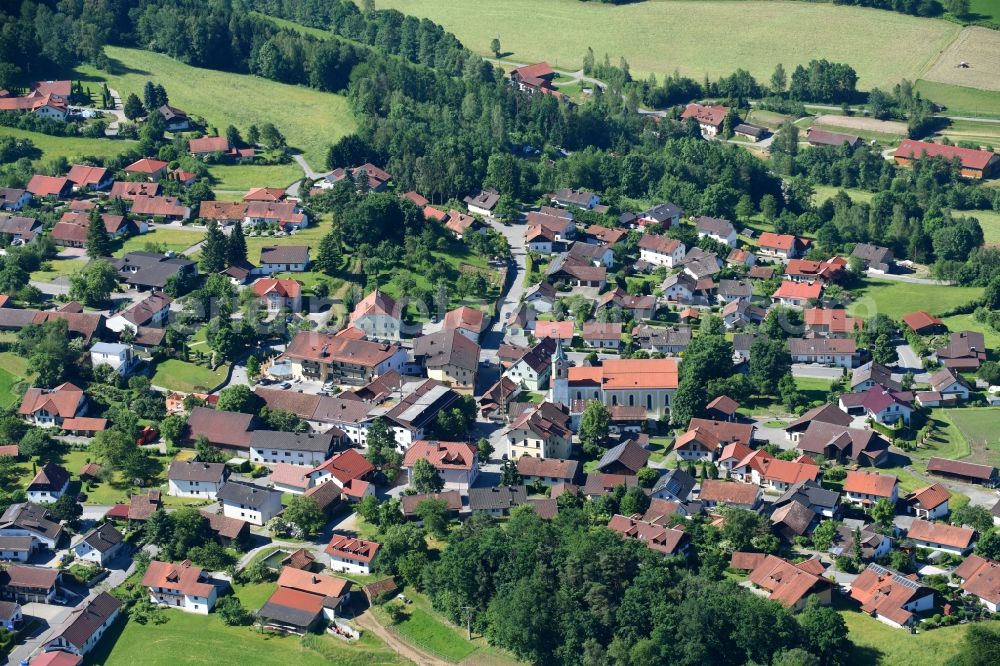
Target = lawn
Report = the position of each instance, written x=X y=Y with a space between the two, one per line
x=54 y=268
x=989 y=220
x=106 y=493
x=824 y=192
x=695 y=37
x=427 y=632
x=309 y=119
x=177 y=240
x=969 y=323
x=878 y=643
x=70 y=147
x=242 y=177
x=253 y=596
x=898 y=298
x=13 y=369
x=178 y=375
x=813 y=388
x=960 y=100
x=197 y=639
x=979 y=428
x=310 y=236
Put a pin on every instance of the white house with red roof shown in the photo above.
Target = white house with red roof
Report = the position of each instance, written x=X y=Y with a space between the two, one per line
x=710 y=118
x=279 y=294
x=797 y=294
x=661 y=250
x=149 y=168
x=182 y=585
x=50 y=407
x=351 y=555
x=379 y=315
x=456 y=462
x=869 y=487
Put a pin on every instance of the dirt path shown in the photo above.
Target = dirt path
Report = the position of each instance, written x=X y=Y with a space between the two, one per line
x=417 y=656
x=867 y=124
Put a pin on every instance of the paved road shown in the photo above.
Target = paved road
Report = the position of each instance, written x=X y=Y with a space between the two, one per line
x=293 y=189
x=909 y=278
x=57 y=287
x=910 y=362
x=494 y=337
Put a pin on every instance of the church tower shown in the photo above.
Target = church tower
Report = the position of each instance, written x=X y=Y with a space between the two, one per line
x=559 y=377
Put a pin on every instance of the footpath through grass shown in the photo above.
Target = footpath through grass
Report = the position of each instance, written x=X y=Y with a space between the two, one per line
x=310 y=120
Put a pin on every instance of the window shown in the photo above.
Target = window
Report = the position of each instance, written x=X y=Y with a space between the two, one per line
x=631 y=401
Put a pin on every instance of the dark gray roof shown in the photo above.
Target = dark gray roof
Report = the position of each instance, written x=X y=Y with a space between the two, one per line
x=490 y=499
x=628 y=453
x=103 y=538
x=284 y=254
x=150 y=268
x=676 y=482
x=195 y=470
x=662 y=212
x=285 y=615
x=736 y=288
x=292 y=441
x=809 y=493
x=88 y=620
x=242 y=493
x=715 y=226
x=31 y=517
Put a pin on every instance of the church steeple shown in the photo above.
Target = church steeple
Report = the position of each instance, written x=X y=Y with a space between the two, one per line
x=559 y=377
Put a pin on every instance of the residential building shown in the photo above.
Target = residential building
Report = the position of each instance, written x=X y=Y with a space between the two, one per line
x=929 y=502
x=791 y=585
x=193 y=478
x=497 y=501
x=49 y=484
x=49 y=187
x=177 y=120
x=26 y=584
x=351 y=555
x=781 y=246
x=661 y=250
x=408 y=504
x=449 y=357
x=345 y=470
x=602 y=336
x=303 y=601
x=100 y=546
x=965 y=350
x=548 y=471
x=284 y=259
x=879 y=405
x=148 y=168
x=627 y=457
x=831 y=323
x=697 y=445
x=675 y=485
x=874 y=545
x=734 y=290
x=11 y=616
x=980 y=578
x=86 y=626
x=17 y=230
x=923 y=323
x=295 y=448
x=29 y=520
x=941 y=536
x=797 y=294
x=836 y=352
x=741 y=495
x=540 y=431
x=14 y=199
x=870 y=375
x=470 y=322
x=866 y=488
x=325 y=357
x=412 y=417
x=224 y=429
x=669 y=341
x=571 y=198
x=719 y=230
x=180 y=585
x=254 y=504
x=483 y=203
x=534 y=367
x=948 y=388
x=152 y=311
x=379 y=315
x=709 y=118
x=665 y=540
x=15 y=549
x=119 y=357
x=50 y=407
x=818 y=137
x=278 y=294
x=825 y=272
x=456 y=462
x=874 y=258
x=891 y=597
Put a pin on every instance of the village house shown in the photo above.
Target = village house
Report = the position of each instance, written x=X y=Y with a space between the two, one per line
x=180 y=585
x=285 y=215
x=661 y=250
x=351 y=555
x=151 y=169
x=891 y=597
x=151 y=270
x=278 y=294
x=741 y=257
x=374 y=178
x=470 y=322
x=703 y=266
x=11 y=616
x=839 y=442
x=33 y=522
x=597 y=255
x=805 y=270
x=117 y=356
x=547 y=471
x=663 y=216
x=753 y=133
x=811 y=494
x=599 y=235
x=417 y=411
x=27 y=584
x=709 y=118
x=532 y=370
x=781 y=246
x=791 y=585
x=152 y=311
x=14 y=199
x=626 y=458
x=409 y=504
x=571 y=198
x=225 y=429
x=941 y=536
x=497 y=501
x=100 y=546
x=176 y=120
x=797 y=294
x=295 y=448
x=697 y=445
x=740 y=495
x=483 y=203
x=874 y=545
x=966 y=350
x=49 y=187
x=379 y=316
x=576 y=273
x=866 y=488
x=533 y=78
x=874 y=258
x=50 y=407
x=674 y=485
x=929 y=502
x=734 y=290
x=254 y=504
x=325 y=357
x=540 y=431
x=870 y=375
x=89 y=177
x=666 y=540
x=456 y=462
x=284 y=259
x=49 y=484
x=948 y=388
x=818 y=137
x=346 y=470
x=303 y=600
x=640 y=307
x=669 y=341
x=719 y=230
x=974 y=164
x=981 y=579
x=132 y=189
x=193 y=478
x=448 y=357
x=71 y=229
x=602 y=336
x=85 y=627
x=835 y=352
x=739 y=313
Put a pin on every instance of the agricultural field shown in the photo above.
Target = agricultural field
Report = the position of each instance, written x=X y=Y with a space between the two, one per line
x=696 y=37
x=960 y=100
x=309 y=119
x=981 y=132
x=238 y=178
x=985 y=9
x=979 y=48
x=898 y=298
x=860 y=125
x=979 y=428
x=68 y=146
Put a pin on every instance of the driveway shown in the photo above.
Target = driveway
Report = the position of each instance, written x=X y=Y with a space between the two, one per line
x=910 y=362
x=810 y=371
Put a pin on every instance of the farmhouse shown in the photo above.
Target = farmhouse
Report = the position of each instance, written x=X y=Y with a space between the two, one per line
x=891 y=597
x=818 y=137
x=976 y=164
x=709 y=118
x=100 y=546
x=26 y=584
x=571 y=198
x=868 y=487
x=741 y=495
x=981 y=578
x=456 y=462
x=835 y=441
x=548 y=471
x=836 y=352
x=326 y=357
x=14 y=198
x=531 y=78
x=924 y=323
x=791 y=585
x=193 y=478
x=351 y=555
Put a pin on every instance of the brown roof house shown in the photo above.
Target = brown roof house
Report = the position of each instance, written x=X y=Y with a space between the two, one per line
x=981 y=578
x=891 y=597
x=965 y=350
x=351 y=555
x=456 y=462
x=666 y=540
x=50 y=407
x=183 y=586
x=86 y=626
x=791 y=585
x=941 y=536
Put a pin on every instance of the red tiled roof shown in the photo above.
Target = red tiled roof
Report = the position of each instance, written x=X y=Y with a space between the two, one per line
x=869 y=483
x=970 y=158
x=283 y=287
x=921 y=320
x=940 y=533
x=709 y=115
x=83 y=175
x=443 y=455
x=63 y=400
x=729 y=492
x=183 y=577
x=46 y=186
x=306 y=581
x=799 y=290
x=146 y=165
x=348 y=547
x=209 y=144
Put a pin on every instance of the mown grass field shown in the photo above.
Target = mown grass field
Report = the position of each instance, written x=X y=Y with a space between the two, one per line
x=172 y=239
x=13 y=369
x=178 y=375
x=968 y=323
x=696 y=37
x=206 y=640
x=54 y=268
x=309 y=119
x=879 y=644
x=70 y=147
x=898 y=298
x=979 y=48
x=960 y=100
x=242 y=177
x=824 y=192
